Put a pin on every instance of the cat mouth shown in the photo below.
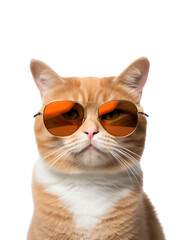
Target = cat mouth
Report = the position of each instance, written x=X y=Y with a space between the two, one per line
x=90 y=148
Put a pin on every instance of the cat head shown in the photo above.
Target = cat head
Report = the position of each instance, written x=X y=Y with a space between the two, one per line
x=73 y=153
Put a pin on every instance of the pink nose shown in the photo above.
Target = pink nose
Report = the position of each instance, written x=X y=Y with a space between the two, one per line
x=91 y=131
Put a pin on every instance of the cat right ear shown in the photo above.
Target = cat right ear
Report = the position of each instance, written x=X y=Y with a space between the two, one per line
x=45 y=78
x=135 y=76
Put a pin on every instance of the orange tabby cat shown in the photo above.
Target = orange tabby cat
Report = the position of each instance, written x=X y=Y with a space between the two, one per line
x=88 y=185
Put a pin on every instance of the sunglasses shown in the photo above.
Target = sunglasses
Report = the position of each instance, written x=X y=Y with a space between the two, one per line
x=118 y=117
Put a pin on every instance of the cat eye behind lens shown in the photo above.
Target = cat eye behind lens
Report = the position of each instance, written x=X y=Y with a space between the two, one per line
x=118 y=117
x=63 y=118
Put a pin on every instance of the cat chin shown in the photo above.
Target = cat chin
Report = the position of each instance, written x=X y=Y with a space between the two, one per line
x=91 y=157
x=91 y=149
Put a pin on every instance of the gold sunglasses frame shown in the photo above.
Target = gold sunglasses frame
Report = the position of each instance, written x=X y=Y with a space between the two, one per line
x=138 y=113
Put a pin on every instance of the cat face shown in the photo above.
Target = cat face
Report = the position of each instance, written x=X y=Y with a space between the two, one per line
x=91 y=148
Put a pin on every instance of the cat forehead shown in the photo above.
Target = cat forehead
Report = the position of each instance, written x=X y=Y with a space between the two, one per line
x=91 y=89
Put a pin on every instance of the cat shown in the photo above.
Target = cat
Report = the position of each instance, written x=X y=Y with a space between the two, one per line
x=91 y=193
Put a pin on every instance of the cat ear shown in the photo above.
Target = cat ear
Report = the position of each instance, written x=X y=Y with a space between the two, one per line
x=135 y=76
x=45 y=78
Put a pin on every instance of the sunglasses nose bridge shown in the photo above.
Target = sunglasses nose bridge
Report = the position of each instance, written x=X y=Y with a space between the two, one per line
x=91 y=111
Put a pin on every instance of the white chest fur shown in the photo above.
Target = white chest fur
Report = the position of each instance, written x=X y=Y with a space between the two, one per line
x=88 y=195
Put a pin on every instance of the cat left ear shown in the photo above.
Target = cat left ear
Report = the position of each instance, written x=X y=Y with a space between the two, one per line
x=45 y=77
x=135 y=76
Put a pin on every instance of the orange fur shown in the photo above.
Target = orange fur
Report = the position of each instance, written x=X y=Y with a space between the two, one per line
x=132 y=217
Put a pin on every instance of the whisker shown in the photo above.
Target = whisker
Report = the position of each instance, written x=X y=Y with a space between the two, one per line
x=68 y=151
x=72 y=140
x=115 y=158
x=125 y=149
x=130 y=166
x=113 y=143
x=54 y=160
x=52 y=152
x=61 y=148
x=127 y=155
x=122 y=151
x=122 y=165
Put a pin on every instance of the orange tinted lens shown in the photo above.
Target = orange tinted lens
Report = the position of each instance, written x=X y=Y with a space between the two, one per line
x=63 y=118
x=119 y=118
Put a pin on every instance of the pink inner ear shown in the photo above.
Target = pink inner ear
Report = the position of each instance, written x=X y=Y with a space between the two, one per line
x=141 y=82
x=45 y=77
x=135 y=76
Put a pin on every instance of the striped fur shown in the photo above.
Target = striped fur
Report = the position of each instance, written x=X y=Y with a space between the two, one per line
x=92 y=194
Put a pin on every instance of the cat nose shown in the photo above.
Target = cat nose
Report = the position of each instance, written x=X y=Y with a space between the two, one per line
x=91 y=131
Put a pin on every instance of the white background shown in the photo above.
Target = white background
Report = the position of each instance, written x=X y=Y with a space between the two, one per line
x=99 y=38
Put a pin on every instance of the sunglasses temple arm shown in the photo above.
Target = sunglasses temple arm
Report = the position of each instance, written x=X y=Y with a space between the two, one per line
x=142 y=113
x=38 y=114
